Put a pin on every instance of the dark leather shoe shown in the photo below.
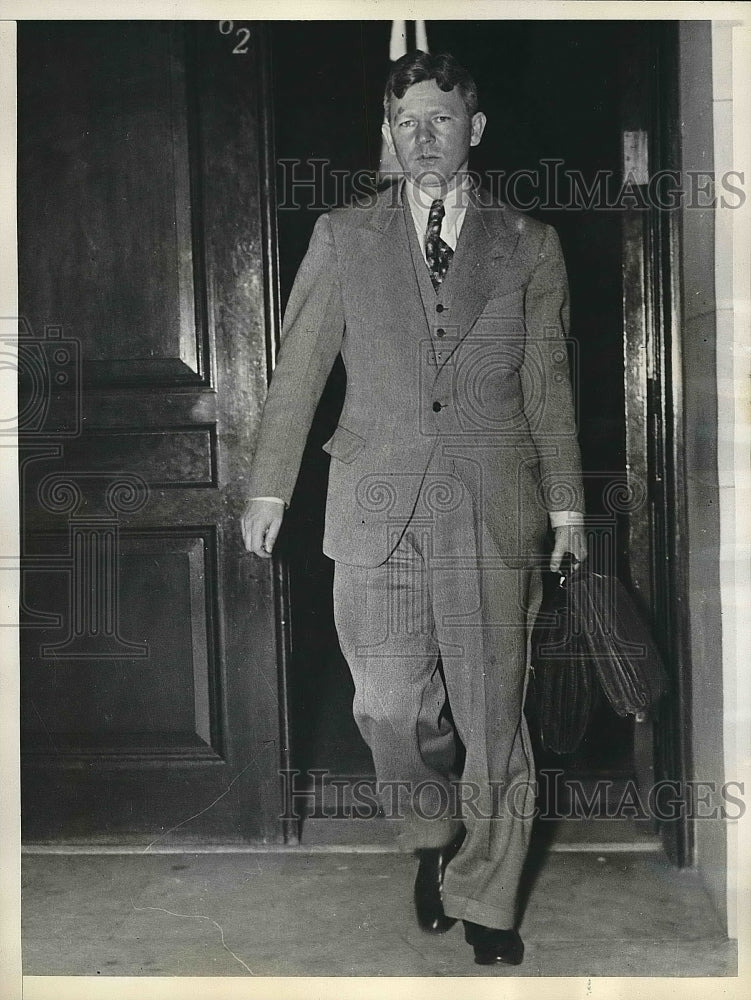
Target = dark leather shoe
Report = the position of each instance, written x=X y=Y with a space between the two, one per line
x=494 y=946
x=429 y=884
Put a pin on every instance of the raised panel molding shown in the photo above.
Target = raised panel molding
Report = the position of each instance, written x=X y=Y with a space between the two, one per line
x=123 y=267
x=165 y=596
x=164 y=457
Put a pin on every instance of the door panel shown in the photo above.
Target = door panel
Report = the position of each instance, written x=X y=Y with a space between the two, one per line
x=150 y=708
x=85 y=700
x=114 y=156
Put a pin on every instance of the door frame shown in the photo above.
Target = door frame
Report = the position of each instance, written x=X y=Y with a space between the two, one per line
x=273 y=316
x=654 y=395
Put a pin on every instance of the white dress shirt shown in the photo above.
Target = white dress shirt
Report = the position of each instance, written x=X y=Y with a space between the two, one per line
x=419 y=201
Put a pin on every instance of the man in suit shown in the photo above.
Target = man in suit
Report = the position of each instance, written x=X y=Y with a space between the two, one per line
x=455 y=448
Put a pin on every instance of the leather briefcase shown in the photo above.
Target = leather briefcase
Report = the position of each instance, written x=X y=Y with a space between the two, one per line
x=590 y=638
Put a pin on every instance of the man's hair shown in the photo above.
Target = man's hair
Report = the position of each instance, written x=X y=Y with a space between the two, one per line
x=415 y=67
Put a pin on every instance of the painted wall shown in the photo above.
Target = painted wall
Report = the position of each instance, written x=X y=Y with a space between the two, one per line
x=712 y=360
x=730 y=114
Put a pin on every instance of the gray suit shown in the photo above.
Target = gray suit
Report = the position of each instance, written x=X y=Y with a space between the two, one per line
x=456 y=438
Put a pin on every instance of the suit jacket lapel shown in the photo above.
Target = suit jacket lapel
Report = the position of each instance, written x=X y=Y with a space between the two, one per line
x=481 y=266
x=393 y=255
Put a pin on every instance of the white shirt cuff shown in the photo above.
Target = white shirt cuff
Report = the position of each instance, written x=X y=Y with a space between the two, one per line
x=272 y=499
x=562 y=518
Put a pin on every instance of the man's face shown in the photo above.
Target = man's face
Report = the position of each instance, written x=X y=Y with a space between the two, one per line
x=431 y=133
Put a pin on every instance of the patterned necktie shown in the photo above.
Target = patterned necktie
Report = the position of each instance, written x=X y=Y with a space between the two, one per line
x=437 y=253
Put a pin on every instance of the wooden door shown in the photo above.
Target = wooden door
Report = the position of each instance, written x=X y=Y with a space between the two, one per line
x=150 y=705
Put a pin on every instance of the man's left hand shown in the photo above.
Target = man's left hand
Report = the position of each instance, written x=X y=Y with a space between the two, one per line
x=568 y=538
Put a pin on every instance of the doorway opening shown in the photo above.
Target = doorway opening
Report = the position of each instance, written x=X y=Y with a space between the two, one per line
x=557 y=101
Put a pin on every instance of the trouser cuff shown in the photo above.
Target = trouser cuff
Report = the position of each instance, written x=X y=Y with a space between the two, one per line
x=499 y=917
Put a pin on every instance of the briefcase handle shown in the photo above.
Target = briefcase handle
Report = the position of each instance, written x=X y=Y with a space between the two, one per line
x=569 y=562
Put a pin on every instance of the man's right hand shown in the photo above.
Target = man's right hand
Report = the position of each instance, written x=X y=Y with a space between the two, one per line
x=261 y=522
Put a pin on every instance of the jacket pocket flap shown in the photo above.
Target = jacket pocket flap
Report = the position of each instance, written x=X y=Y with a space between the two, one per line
x=344 y=445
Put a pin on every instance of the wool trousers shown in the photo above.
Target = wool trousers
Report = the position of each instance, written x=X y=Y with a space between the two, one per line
x=437 y=639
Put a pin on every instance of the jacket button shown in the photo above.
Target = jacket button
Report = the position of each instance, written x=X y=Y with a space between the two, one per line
x=439 y=308
x=440 y=332
x=437 y=407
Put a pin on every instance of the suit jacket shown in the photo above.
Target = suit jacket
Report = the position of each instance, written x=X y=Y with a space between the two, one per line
x=464 y=389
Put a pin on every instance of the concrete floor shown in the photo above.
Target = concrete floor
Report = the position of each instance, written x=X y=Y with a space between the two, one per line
x=308 y=912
